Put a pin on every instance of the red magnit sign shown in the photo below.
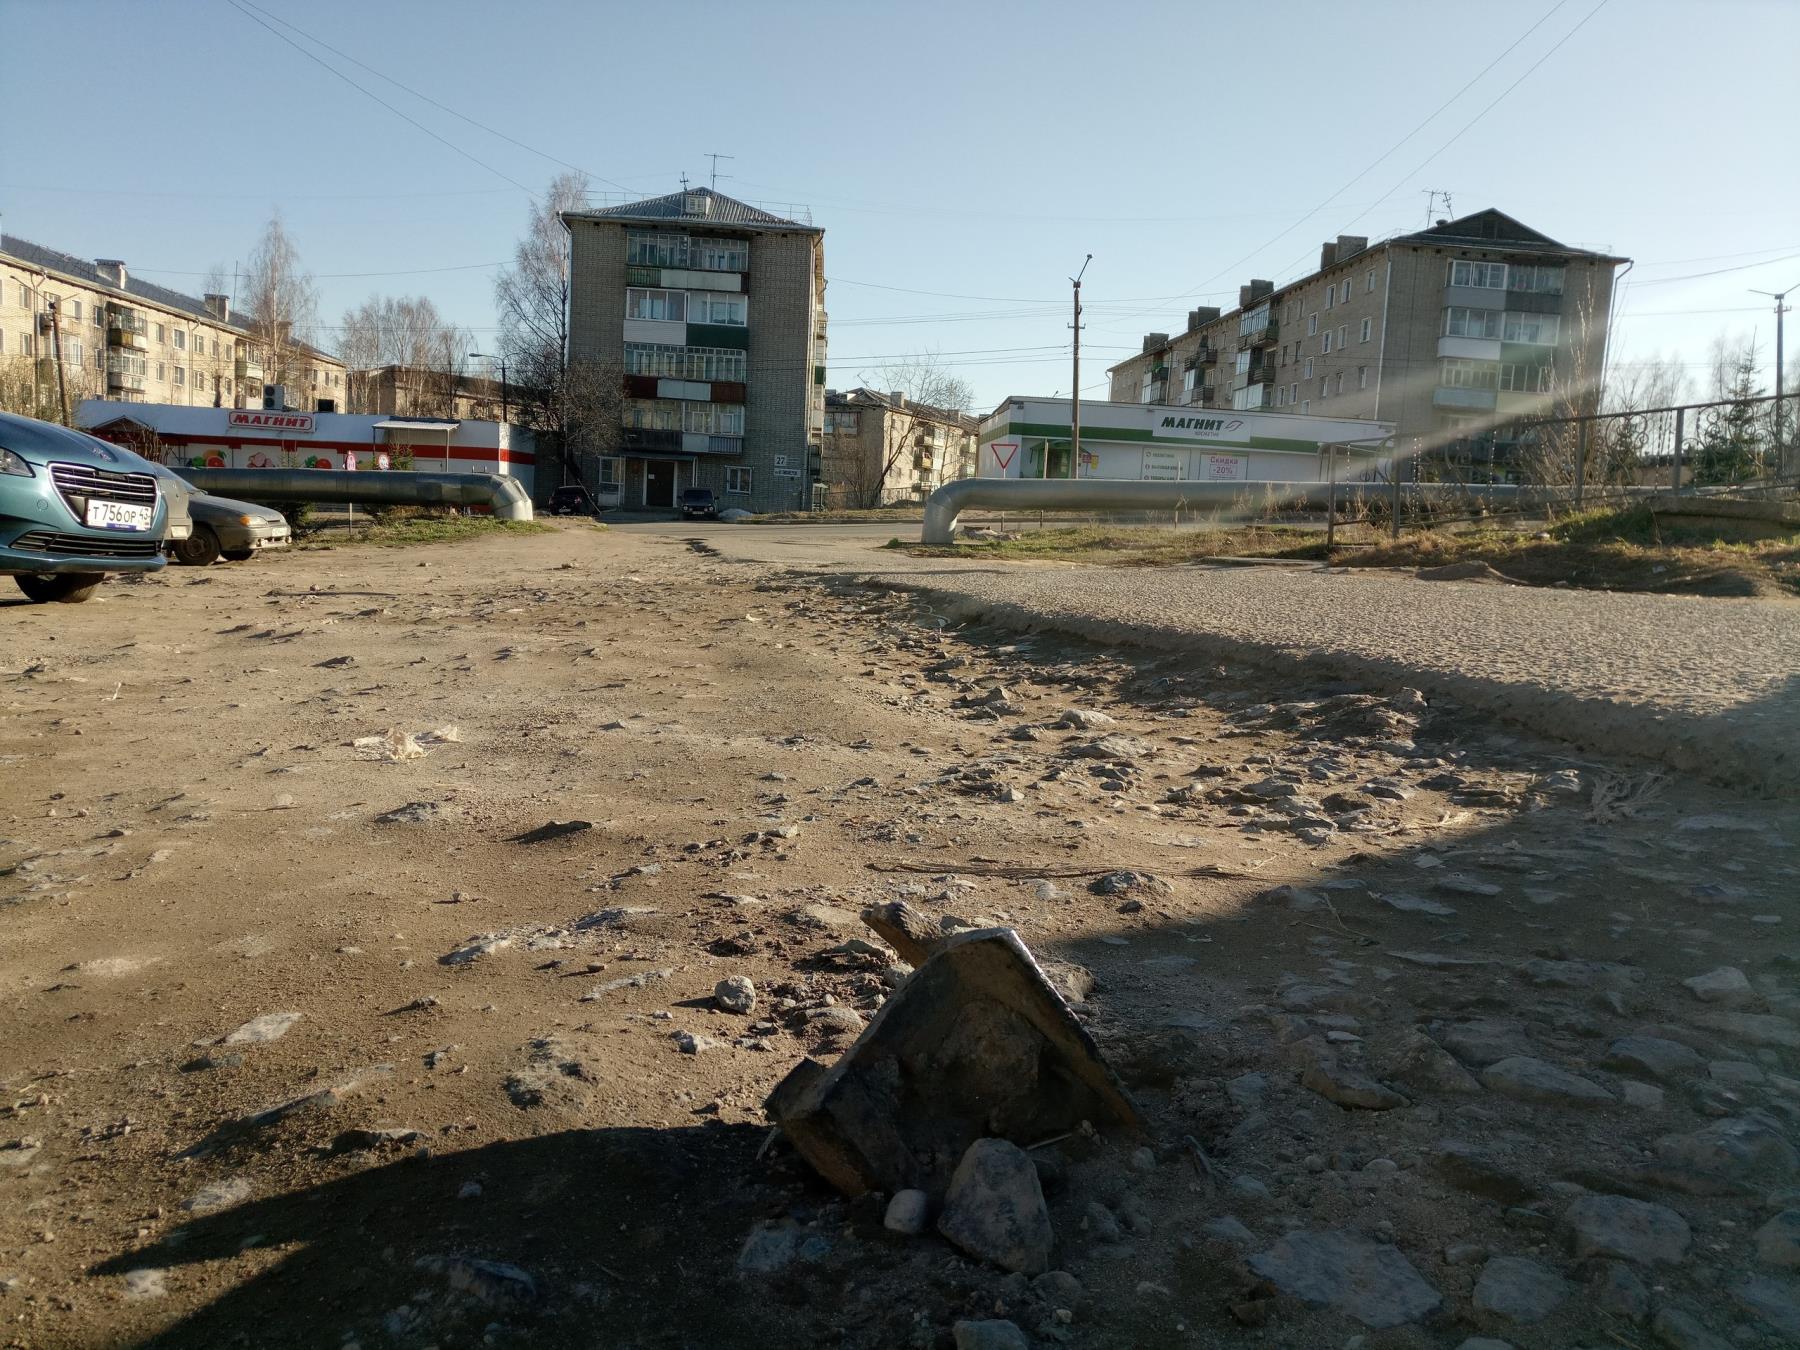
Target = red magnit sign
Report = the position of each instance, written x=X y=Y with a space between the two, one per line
x=270 y=421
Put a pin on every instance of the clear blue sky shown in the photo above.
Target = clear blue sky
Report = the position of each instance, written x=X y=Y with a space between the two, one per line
x=974 y=150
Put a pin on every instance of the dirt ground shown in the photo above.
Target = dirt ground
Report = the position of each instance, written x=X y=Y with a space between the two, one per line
x=236 y=947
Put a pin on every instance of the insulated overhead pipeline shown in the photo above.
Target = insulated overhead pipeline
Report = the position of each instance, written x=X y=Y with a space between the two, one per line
x=505 y=497
x=944 y=507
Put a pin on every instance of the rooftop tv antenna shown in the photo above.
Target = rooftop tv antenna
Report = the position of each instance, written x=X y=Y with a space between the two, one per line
x=715 y=158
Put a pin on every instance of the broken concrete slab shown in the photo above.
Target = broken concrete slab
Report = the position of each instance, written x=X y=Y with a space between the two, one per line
x=975 y=1043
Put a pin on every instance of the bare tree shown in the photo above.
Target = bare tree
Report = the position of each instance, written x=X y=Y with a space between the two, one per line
x=23 y=392
x=532 y=300
x=281 y=303
x=408 y=332
x=921 y=394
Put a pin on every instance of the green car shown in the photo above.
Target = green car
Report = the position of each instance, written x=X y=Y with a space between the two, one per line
x=73 y=508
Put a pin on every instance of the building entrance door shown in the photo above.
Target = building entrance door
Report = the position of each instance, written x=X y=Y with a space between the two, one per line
x=659 y=483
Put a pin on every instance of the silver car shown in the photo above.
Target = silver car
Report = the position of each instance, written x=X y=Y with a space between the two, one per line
x=232 y=530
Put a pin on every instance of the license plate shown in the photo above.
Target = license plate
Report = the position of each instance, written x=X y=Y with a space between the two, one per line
x=119 y=516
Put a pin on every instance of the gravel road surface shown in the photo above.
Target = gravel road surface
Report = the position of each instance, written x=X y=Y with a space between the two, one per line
x=1708 y=686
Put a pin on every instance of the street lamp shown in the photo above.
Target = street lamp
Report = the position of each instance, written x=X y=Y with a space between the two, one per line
x=1780 y=299
x=505 y=406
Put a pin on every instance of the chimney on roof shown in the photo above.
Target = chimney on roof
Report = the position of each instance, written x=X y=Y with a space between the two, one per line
x=1349 y=245
x=1155 y=341
x=1444 y=222
x=1256 y=290
x=898 y=399
x=113 y=269
x=1205 y=314
x=1328 y=255
x=219 y=306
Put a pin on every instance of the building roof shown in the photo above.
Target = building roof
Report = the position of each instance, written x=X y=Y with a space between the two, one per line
x=855 y=398
x=695 y=204
x=87 y=272
x=1486 y=229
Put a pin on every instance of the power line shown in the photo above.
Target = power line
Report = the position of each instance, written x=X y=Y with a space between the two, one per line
x=369 y=93
x=1716 y=272
x=425 y=98
x=1391 y=150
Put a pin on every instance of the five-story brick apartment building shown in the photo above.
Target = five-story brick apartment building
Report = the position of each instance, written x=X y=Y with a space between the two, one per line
x=133 y=341
x=713 y=312
x=1452 y=334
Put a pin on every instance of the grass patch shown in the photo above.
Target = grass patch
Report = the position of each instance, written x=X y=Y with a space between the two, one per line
x=406 y=531
x=1629 y=549
x=1632 y=549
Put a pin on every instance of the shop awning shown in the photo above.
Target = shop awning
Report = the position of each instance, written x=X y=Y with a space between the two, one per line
x=418 y=426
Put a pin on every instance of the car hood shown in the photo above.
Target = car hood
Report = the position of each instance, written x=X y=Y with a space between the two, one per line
x=204 y=506
x=41 y=442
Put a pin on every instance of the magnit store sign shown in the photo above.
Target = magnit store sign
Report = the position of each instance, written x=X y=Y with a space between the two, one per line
x=1187 y=425
x=300 y=424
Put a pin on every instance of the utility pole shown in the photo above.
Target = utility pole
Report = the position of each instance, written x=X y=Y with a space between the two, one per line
x=505 y=405
x=1781 y=308
x=1075 y=388
x=715 y=167
x=62 y=387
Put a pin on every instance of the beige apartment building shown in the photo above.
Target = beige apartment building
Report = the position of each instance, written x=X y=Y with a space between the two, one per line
x=712 y=313
x=414 y=391
x=883 y=448
x=1452 y=334
x=131 y=340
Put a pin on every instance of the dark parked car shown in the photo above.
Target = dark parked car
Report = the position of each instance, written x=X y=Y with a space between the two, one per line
x=699 y=504
x=572 y=501
x=233 y=530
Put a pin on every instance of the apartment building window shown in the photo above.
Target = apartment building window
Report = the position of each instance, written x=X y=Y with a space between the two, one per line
x=646 y=414
x=180 y=374
x=1343 y=336
x=610 y=470
x=659 y=249
x=1330 y=296
x=215 y=346
x=27 y=345
x=721 y=307
x=1367 y=326
x=1306 y=370
x=1293 y=393
x=737 y=480
x=1312 y=323
x=1242 y=365
x=1324 y=389
x=1491 y=276
x=642 y=303
x=25 y=297
x=1306 y=405
x=1537 y=329
x=98 y=315
x=843 y=421
x=1325 y=343
x=1369 y=281
x=1473 y=323
x=1344 y=292
x=180 y=340
x=1362 y=377
x=721 y=255
x=162 y=335
x=75 y=310
x=1520 y=379
x=685 y=363
x=71 y=351
x=713 y=419
x=1538 y=280
x=1340 y=387
x=1459 y=374
x=162 y=371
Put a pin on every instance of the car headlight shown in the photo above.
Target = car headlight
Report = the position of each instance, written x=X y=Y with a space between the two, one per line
x=248 y=520
x=13 y=464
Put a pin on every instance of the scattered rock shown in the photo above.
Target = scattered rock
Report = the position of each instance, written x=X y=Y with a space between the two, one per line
x=217 y=1195
x=1727 y=985
x=356 y=1141
x=1520 y=1290
x=1680 y=1330
x=1059 y=1289
x=1754 y=1028
x=735 y=994
x=466 y=956
x=690 y=1043
x=1651 y=1056
x=771 y=1248
x=1616 y=1289
x=1778 y=1240
x=994 y=1209
x=1469 y=1169
x=1772 y=1302
x=907 y=1213
x=1419 y=1062
x=1228 y=1228
x=555 y=829
x=1372 y=1282
x=1633 y=1230
x=1125 y=882
x=1537 y=1080
x=1737 y=1149
x=1322 y=1072
x=145 y=1282
x=259 y=1030
x=993 y=1334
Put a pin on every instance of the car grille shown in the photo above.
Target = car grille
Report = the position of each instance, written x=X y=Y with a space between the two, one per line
x=79 y=484
x=75 y=545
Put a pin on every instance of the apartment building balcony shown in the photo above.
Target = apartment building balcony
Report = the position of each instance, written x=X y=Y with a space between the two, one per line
x=1261 y=337
x=648 y=439
x=1463 y=400
x=248 y=368
x=126 y=339
x=1203 y=356
x=123 y=380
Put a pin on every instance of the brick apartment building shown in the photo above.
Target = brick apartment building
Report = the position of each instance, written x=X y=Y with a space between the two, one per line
x=714 y=312
x=1451 y=334
x=131 y=340
x=881 y=448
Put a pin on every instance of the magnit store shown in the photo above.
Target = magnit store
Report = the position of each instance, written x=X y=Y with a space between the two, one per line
x=1032 y=438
